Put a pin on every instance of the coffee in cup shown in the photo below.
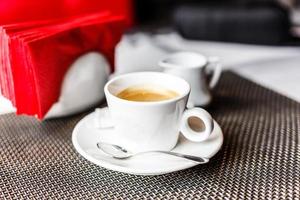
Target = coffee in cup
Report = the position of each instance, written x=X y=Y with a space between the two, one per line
x=147 y=93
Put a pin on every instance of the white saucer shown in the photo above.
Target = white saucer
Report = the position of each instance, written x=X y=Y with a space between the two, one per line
x=85 y=136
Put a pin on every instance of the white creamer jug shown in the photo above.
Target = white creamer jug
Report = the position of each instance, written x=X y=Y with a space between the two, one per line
x=193 y=67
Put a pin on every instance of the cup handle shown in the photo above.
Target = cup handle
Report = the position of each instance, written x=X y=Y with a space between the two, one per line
x=215 y=61
x=196 y=125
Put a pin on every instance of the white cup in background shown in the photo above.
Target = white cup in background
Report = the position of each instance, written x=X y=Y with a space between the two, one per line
x=193 y=67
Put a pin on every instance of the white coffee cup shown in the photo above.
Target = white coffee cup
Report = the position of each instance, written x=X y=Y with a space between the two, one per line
x=156 y=125
x=195 y=69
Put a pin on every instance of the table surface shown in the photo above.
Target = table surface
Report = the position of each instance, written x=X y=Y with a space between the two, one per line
x=274 y=67
x=260 y=157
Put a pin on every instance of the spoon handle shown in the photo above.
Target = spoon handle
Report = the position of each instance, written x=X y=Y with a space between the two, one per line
x=189 y=157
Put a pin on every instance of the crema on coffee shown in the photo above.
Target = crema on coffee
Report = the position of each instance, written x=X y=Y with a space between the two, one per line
x=147 y=93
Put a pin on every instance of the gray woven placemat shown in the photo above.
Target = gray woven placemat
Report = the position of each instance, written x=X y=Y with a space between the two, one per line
x=260 y=158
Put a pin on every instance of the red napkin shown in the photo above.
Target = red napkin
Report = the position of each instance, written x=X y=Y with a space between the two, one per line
x=36 y=55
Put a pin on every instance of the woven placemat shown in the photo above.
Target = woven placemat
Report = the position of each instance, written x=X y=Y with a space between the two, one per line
x=260 y=158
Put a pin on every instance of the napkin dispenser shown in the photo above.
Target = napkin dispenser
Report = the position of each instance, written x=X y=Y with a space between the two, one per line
x=58 y=67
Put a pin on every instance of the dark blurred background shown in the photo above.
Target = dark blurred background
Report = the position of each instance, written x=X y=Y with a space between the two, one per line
x=244 y=21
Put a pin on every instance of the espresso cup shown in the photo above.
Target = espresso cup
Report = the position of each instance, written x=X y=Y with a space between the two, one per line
x=155 y=125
